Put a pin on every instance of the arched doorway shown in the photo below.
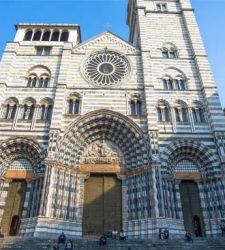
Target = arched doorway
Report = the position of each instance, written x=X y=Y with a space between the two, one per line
x=13 y=207
x=18 y=173
x=188 y=174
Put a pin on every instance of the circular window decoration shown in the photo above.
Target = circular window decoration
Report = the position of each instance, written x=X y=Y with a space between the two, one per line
x=106 y=68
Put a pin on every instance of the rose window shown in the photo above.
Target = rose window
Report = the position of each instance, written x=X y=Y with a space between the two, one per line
x=106 y=68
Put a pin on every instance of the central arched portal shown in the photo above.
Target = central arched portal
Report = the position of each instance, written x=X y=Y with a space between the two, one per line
x=103 y=145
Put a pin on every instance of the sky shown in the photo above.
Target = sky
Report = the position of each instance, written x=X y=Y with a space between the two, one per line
x=95 y=16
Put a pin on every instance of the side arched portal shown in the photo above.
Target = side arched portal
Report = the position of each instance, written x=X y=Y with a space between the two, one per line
x=22 y=170
x=193 y=171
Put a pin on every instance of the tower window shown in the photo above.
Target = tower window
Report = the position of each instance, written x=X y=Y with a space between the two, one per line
x=46 y=36
x=55 y=36
x=43 y=51
x=161 y=7
x=28 y=35
x=37 y=36
x=64 y=36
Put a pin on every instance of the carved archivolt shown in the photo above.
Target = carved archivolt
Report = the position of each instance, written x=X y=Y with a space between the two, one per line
x=201 y=155
x=103 y=126
x=21 y=147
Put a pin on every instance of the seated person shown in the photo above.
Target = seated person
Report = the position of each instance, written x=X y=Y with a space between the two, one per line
x=49 y=247
x=69 y=245
x=102 y=240
x=188 y=237
x=114 y=234
x=55 y=246
x=62 y=238
x=109 y=235
x=122 y=235
x=166 y=234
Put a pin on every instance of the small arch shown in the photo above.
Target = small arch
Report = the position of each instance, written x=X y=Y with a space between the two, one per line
x=169 y=50
x=55 y=36
x=163 y=111
x=46 y=35
x=9 y=108
x=198 y=112
x=181 y=111
x=73 y=104
x=46 y=108
x=37 y=35
x=64 y=36
x=28 y=35
x=136 y=105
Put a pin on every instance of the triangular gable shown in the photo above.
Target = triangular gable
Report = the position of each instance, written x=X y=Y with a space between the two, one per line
x=105 y=39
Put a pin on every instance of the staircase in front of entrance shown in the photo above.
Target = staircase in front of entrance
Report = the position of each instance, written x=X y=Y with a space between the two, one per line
x=17 y=243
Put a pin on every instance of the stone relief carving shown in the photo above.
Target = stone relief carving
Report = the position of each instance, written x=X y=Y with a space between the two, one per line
x=102 y=152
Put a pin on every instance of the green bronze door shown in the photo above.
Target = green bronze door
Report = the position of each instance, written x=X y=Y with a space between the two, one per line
x=102 y=209
x=191 y=207
x=13 y=207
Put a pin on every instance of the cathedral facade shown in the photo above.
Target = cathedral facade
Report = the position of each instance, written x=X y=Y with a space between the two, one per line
x=108 y=133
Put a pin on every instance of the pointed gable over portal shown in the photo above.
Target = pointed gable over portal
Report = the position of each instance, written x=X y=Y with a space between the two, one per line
x=106 y=39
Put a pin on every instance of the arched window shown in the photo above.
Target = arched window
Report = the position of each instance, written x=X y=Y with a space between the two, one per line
x=31 y=114
x=184 y=115
x=163 y=112
x=136 y=106
x=6 y=111
x=29 y=82
x=64 y=36
x=70 y=110
x=132 y=108
x=37 y=36
x=177 y=114
x=181 y=112
x=9 y=109
x=198 y=113
x=167 y=114
x=28 y=35
x=170 y=84
x=45 y=111
x=159 y=114
x=174 y=84
x=46 y=36
x=169 y=51
x=194 y=114
x=55 y=36
x=165 y=86
x=46 y=81
x=165 y=53
x=49 y=113
x=73 y=105
x=41 y=82
x=34 y=82
x=27 y=110
x=139 y=107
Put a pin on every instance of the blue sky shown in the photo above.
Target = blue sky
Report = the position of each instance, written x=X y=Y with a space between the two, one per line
x=95 y=15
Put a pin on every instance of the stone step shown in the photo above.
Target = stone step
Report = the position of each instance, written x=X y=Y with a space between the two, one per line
x=17 y=243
